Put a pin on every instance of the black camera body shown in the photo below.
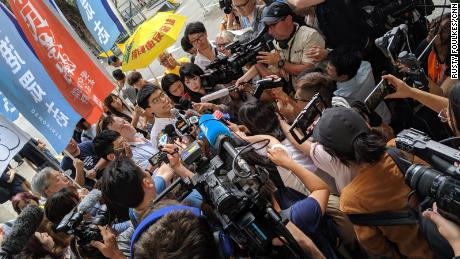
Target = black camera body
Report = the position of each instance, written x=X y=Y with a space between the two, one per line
x=224 y=70
x=226 y=5
x=85 y=231
x=441 y=183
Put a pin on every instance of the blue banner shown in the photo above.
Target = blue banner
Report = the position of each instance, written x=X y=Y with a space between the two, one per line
x=101 y=22
x=24 y=81
x=7 y=109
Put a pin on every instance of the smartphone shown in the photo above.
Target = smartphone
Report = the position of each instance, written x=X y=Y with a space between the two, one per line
x=302 y=127
x=377 y=95
x=158 y=158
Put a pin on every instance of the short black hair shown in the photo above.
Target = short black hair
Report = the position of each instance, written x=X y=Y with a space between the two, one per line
x=104 y=123
x=260 y=118
x=112 y=59
x=185 y=44
x=194 y=27
x=189 y=70
x=346 y=60
x=118 y=74
x=103 y=143
x=121 y=182
x=59 y=204
x=144 y=94
x=134 y=77
x=368 y=148
x=166 y=82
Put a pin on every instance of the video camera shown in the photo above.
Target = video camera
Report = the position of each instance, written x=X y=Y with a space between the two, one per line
x=224 y=70
x=394 y=44
x=226 y=5
x=379 y=15
x=302 y=127
x=86 y=231
x=232 y=188
x=441 y=183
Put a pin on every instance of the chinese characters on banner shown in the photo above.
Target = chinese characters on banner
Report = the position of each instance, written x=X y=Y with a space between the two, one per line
x=27 y=85
x=100 y=21
x=76 y=75
x=155 y=39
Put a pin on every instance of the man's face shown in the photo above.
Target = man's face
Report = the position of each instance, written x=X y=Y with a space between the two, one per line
x=73 y=148
x=282 y=29
x=159 y=103
x=168 y=61
x=331 y=72
x=119 y=147
x=221 y=43
x=57 y=181
x=123 y=127
x=177 y=89
x=199 y=40
x=244 y=7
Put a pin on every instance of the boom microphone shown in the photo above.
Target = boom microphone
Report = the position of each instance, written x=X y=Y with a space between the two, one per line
x=89 y=201
x=25 y=226
x=218 y=94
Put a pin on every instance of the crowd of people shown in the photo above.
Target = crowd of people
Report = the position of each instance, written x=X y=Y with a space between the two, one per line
x=345 y=170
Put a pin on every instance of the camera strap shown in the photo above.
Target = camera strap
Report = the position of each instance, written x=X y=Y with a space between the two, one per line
x=387 y=218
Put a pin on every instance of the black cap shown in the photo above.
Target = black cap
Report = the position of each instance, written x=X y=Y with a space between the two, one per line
x=275 y=12
x=338 y=128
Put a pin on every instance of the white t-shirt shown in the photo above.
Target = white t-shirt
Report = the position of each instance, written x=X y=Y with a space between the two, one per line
x=158 y=126
x=342 y=174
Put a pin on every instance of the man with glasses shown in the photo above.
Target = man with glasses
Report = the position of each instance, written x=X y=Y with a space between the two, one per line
x=291 y=41
x=250 y=14
x=154 y=101
x=198 y=37
x=171 y=64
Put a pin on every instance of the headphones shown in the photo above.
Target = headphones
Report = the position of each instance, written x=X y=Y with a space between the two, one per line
x=222 y=241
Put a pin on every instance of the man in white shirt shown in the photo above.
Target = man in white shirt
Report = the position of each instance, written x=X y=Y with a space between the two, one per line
x=154 y=101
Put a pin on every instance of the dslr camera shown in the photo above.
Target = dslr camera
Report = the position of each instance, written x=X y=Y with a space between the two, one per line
x=441 y=182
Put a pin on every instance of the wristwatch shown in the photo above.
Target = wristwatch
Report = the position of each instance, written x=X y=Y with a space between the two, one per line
x=281 y=63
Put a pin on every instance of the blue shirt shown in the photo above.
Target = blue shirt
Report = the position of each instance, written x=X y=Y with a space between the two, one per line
x=306 y=215
x=87 y=155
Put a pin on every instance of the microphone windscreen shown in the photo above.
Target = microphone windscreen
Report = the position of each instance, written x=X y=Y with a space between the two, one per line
x=216 y=95
x=25 y=226
x=169 y=130
x=213 y=128
x=90 y=200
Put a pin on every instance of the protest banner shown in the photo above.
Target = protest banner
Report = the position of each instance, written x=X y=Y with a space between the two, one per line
x=27 y=85
x=101 y=22
x=68 y=62
x=7 y=109
x=12 y=140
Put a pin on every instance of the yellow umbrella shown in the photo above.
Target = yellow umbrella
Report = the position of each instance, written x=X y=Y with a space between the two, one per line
x=150 y=39
x=106 y=54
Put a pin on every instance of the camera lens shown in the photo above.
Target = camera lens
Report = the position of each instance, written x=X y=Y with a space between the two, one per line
x=421 y=178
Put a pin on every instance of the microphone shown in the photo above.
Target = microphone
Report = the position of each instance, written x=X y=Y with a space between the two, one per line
x=89 y=201
x=25 y=226
x=182 y=123
x=75 y=216
x=218 y=135
x=218 y=94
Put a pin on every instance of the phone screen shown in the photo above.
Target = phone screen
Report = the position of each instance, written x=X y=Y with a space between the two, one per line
x=377 y=95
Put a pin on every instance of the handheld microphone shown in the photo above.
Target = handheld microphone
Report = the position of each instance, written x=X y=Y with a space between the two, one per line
x=218 y=135
x=218 y=94
x=182 y=124
x=90 y=201
x=25 y=226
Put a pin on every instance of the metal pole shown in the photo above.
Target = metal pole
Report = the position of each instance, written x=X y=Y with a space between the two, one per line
x=156 y=79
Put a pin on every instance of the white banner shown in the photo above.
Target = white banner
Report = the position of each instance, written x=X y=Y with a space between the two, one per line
x=12 y=140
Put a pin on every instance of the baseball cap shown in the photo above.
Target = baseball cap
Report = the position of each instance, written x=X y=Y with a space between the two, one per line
x=275 y=12
x=338 y=128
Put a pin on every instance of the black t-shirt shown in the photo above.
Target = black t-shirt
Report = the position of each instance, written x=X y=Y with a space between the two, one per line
x=341 y=25
x=87 y=155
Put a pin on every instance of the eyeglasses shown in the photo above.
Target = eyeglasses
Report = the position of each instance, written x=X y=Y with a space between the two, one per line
x=222 y=45
x=197 y=39
x=241 y=5
x=443 y=116
x=158 y=99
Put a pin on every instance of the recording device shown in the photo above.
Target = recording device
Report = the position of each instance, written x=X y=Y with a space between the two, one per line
x=393 y=42
x=442 y=182
x=232 y=189
x=226 y=69
x=218 y=94
x=302 y=127
x=183 y=125
x=86 y=231
x=379 y=15
x=226 y=5
x=378 y=94
x=24 y=227
x=159 y=158
x=268 y=83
